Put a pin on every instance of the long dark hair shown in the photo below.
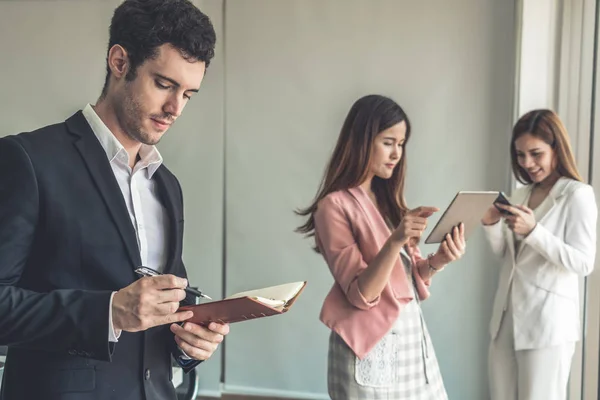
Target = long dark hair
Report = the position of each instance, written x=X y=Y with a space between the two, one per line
x=547 y=126
x=349 y=163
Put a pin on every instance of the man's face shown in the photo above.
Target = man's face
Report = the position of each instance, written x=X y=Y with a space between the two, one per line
x=147 y=106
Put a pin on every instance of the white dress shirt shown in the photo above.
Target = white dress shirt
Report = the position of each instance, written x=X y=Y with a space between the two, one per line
x=148 y=216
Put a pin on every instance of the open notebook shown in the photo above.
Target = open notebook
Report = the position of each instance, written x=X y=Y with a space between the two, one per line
x=247 y=305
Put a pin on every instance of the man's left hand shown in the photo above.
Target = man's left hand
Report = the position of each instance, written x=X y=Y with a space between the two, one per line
x=197 y=341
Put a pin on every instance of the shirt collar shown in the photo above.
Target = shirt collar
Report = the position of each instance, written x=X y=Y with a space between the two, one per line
x=149 y=155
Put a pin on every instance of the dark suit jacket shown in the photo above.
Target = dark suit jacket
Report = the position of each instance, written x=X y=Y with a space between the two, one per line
x=66 y=243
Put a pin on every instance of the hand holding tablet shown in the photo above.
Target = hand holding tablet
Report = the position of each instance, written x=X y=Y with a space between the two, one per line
x=467 y=207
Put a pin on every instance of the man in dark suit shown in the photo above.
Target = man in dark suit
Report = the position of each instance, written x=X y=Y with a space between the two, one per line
x=85 y=202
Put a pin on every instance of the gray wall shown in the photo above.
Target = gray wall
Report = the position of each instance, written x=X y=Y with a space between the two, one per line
x=293 y=69
x=269 y=111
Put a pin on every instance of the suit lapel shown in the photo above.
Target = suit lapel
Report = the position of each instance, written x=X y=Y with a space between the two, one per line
x=94 y=157
x=379 y=228
x=557 y=191
x=400 y=283
x=547 y=204
x=166 y=192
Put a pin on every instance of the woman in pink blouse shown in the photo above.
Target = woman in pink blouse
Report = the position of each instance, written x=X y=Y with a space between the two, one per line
x=379 y=345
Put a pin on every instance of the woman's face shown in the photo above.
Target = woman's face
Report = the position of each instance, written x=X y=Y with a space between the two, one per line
x=536 y=157
x=387 y=150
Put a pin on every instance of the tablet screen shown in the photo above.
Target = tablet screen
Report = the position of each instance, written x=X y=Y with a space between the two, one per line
x=466 y=207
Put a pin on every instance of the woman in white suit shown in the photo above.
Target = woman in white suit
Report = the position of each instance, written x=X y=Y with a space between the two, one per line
x=546 y=243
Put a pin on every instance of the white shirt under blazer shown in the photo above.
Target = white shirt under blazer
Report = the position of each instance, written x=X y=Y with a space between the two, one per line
x=545 y=272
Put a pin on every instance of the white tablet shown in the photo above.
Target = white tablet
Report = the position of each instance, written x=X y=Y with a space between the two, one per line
x=466 y=207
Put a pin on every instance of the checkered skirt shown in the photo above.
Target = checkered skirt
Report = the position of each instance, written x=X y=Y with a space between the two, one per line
x=402 y=366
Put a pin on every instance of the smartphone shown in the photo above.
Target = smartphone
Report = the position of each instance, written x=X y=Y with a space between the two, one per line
x=502 y=200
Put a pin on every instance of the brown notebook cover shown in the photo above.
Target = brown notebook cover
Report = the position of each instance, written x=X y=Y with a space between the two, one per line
x=236 y=309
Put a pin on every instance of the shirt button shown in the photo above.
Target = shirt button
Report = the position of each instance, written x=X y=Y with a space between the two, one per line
x=147 y=374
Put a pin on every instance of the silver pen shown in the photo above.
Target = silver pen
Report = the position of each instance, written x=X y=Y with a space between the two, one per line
x=145 y=271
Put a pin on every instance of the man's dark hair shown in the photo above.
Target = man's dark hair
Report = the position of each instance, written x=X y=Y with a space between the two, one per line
x=141 y=26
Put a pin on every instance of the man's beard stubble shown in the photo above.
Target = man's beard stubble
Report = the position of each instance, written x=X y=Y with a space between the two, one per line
x=130 y=116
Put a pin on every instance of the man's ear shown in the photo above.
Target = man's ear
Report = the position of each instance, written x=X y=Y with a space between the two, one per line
x=118 y=61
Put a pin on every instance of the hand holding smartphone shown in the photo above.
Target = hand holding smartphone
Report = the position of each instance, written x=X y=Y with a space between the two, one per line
x=502 y=200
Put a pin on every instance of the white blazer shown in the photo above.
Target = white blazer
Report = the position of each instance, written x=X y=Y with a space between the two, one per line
x=544 y=273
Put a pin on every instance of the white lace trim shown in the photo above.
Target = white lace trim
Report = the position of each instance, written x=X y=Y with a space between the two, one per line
x=378 y=368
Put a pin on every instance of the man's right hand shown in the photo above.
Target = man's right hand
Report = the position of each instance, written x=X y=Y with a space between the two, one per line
x=148 y=302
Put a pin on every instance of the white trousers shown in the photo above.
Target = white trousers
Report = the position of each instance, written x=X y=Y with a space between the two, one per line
x=537 y=374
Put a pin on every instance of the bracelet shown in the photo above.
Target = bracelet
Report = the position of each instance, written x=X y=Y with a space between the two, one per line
x=431 y=267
